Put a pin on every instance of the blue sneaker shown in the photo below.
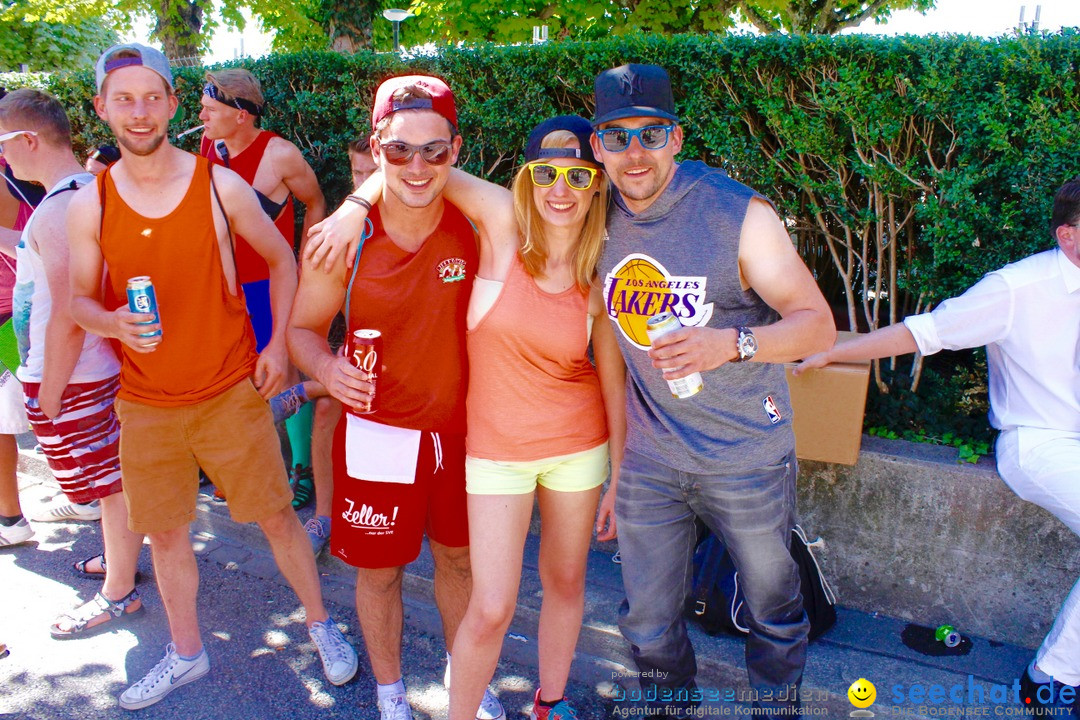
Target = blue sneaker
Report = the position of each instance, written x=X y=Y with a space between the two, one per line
x=318 y=533
x=561 y=711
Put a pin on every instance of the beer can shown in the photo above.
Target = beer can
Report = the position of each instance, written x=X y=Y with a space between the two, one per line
x=658 y=326
x=141 y=299
x=364 y=350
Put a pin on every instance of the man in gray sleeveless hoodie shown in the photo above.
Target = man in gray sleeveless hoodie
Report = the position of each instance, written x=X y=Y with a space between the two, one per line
x=687 y=238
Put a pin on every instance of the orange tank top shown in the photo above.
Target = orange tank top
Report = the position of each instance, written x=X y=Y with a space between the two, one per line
x=207 y=344
x=533 y=393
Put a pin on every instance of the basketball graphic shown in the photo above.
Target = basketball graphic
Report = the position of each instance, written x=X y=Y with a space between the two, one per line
x=639 y=287
x=640 y=271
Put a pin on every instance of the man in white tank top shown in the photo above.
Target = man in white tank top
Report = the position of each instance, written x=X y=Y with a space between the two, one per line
x=69 y=377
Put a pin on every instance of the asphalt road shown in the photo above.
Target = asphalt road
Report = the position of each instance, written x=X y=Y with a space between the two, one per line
x=263 y=666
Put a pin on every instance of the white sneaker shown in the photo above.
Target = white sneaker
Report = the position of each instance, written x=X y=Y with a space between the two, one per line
x=337 y=655
x=395 y=707
x=20 y=532
x=167 y=675
x=71 y=511
x=490 y=707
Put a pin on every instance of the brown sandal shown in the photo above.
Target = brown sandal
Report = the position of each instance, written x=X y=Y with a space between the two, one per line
x=95 y=614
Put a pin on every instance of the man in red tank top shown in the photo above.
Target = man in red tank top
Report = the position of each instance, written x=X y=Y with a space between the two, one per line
x=399 y=471
x=194 y=394
x=232 y=103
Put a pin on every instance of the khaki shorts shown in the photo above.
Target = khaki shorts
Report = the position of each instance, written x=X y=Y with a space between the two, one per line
x=563 y=473
x=230 y=436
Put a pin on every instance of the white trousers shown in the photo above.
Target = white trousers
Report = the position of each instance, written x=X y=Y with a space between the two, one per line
x=1043 y=467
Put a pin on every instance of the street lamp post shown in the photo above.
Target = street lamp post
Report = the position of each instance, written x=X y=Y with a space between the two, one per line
x=396 y=17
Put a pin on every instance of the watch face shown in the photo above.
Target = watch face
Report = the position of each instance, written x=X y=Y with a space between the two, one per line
x=747 y=346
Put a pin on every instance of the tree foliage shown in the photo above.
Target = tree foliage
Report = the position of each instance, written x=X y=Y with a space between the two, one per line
x=821 y=17
x=45 y=35
x=511 y=21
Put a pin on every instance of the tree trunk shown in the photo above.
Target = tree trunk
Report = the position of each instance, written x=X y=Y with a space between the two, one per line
x=179 y=28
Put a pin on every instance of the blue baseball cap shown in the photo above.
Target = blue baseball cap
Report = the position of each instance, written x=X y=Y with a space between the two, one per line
x=579 y=126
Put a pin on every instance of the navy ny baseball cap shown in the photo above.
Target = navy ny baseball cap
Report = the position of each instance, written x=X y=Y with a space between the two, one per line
x=633 y=91
x=579 y=126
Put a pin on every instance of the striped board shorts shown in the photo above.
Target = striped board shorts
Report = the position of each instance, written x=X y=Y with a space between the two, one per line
x=82 y=443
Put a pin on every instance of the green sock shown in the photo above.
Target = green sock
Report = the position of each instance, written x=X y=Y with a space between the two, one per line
x=299 y=429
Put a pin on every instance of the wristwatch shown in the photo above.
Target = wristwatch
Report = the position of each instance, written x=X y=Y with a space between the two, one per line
x=746 y=344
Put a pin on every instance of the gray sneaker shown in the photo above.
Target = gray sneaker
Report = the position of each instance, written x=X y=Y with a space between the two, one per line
x=167 y=675
x=337 y=655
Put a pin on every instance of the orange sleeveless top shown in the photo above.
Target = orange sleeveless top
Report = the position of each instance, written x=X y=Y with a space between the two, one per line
x=533 y=393
x=207 y=344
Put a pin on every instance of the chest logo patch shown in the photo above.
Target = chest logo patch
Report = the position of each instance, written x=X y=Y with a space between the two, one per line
x=639 y=287
x=451 y=270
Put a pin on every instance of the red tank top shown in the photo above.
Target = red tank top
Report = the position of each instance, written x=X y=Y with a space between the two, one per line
x=533 y=393
x=207 y=344
x=418 y=302
x=250 y=266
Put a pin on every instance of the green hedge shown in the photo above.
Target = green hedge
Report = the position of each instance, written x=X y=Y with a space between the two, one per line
x=907 y=167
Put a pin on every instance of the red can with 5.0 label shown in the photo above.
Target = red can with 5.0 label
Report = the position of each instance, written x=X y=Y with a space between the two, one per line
x=364 y=350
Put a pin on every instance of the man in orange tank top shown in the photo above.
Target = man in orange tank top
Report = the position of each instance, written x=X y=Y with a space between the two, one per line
x=193 y=395
x=399 y=472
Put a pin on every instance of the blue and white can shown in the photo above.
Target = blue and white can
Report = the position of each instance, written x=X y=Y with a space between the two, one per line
x=141 y=299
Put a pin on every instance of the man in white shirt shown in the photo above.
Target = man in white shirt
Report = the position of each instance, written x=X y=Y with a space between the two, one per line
x=1027 y=314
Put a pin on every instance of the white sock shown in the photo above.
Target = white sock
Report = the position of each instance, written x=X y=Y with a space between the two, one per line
x=1038 y=675
x=392 y=690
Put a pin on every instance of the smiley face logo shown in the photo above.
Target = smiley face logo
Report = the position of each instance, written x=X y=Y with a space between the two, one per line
x=862 y=693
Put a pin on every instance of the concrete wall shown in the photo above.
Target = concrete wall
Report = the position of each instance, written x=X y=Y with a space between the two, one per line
x=913 y=534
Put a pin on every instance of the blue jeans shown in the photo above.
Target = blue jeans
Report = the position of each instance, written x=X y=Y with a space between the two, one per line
x=753 y=515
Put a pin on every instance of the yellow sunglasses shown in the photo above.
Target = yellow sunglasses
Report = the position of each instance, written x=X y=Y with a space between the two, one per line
x=545 y=175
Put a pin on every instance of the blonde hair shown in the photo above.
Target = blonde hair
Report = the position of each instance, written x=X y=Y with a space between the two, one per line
x=238 y=83
x=534 y=246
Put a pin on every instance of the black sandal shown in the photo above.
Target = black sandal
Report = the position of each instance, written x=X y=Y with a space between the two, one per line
x=303 y=482
x=81 y=571
x=80 y=567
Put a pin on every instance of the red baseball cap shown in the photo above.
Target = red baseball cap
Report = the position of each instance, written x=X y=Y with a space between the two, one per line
x=441 y=100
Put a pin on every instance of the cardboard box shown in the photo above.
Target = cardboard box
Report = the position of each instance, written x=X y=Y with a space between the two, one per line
x=828 y=406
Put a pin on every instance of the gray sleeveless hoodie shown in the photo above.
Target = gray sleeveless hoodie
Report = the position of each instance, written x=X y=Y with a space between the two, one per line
x=681 y=254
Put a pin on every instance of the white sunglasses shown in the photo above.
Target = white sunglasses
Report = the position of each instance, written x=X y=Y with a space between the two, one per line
x=12 y=135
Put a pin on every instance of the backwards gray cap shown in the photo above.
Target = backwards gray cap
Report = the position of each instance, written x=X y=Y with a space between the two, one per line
x=136 y=54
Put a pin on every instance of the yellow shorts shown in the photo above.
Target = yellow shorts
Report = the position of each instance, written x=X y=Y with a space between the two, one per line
x=231 y=436
x=564 y=473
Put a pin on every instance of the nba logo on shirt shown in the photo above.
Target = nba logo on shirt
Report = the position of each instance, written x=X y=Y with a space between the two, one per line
x=771 y=411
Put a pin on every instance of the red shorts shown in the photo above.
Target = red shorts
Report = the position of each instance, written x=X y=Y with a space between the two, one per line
x=82 y=443
x=381 y=525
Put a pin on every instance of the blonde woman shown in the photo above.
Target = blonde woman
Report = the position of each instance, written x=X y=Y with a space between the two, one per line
x=542 y=421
